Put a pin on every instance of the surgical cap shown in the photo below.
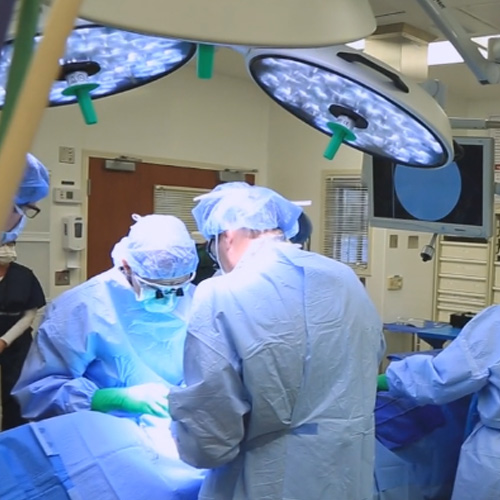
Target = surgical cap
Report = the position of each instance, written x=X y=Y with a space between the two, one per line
x=237 y=205
x=158 y=247
x=35 y=183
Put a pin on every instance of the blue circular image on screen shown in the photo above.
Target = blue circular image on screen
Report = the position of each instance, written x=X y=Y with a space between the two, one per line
x=428 y=194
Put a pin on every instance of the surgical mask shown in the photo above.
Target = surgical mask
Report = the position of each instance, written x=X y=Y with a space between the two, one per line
x=7 y=254
x=13 y=234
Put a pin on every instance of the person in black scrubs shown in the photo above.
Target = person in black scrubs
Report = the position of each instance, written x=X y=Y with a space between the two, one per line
x=21 y=295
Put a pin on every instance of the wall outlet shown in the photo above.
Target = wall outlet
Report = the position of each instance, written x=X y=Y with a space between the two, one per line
x=394 y=282
x=62 y=278
x=67 y=195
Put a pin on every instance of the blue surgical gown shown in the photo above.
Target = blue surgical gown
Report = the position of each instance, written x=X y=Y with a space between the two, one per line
x=471 y=363
x=98 y=335
x=280 y=364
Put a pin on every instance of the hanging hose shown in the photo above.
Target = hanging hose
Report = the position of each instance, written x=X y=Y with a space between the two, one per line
x=23 y=50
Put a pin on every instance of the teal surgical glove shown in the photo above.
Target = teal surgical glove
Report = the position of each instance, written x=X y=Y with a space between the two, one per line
x=139 y=399
x=382 y=384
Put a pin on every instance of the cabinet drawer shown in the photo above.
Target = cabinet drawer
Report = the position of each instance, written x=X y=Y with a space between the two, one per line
x=464 y=285
x=446 y=308
x=473 y=269
x=464 y=251
x=496 y=295
x=496 y=281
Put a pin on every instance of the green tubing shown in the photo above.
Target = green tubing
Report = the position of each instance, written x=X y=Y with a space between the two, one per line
x=23 y=50
x=205 y=61
x=339 y=134
x=82 y=92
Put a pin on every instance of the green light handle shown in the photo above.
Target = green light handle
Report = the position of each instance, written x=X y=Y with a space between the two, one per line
x=82 y=93
x=339 y=134
x=205 y=61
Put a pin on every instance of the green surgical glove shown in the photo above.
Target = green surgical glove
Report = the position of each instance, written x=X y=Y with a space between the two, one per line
x=139 y=399
x=382 y=384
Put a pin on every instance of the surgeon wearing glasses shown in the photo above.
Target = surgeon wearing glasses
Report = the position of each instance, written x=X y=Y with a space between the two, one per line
x=33 y=188
x=115 y=343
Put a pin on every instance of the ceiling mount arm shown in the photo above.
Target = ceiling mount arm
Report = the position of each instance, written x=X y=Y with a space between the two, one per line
x=486 y=72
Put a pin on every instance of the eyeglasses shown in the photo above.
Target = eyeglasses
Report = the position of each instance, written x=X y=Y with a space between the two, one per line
x=31 y=211
x=166 y=286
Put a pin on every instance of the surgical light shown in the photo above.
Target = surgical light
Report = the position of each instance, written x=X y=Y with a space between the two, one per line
x=261 y=23
x=357 y=100
x=254 y=23
x=107 y=61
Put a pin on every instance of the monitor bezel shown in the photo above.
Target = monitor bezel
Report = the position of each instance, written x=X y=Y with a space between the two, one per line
x=445 y=228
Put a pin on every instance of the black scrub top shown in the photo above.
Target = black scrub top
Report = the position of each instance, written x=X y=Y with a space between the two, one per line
x=20 y=291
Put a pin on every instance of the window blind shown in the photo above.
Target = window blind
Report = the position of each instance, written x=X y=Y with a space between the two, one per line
x=345 y=215
x=178 y=201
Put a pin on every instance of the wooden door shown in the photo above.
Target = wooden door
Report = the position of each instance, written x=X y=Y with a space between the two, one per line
x=116 y=195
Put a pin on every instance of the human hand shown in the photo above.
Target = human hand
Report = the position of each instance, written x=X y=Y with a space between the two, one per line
x=151 y=399
x=3 y=345
x=382 y=384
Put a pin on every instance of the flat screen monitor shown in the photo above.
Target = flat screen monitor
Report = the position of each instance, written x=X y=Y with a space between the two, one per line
x=456 y=199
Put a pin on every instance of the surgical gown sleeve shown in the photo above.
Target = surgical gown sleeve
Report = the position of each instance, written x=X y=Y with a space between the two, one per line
x=209 y=412
x=460 y=369
x=52 y=381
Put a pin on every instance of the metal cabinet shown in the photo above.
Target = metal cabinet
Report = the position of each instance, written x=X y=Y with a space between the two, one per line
x=463 y=281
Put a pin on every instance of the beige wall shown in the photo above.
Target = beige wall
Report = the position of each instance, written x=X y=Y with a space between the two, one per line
x=225 y=122
x=222 y=123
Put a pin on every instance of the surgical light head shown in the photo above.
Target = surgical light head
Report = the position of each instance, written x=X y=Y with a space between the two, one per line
x=125 y=60
x=158 y=247
x=358 y=101
x=241 y=206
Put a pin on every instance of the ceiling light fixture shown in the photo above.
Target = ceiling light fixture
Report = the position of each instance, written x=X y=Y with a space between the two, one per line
x=100 y=61
x=357 y=100
x=255 y=23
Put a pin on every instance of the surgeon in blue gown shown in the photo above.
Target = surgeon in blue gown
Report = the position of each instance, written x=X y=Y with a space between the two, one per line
x=33 y=188
x=115 y=342
x=470 y=364
x=418 y=447
x=281 y=345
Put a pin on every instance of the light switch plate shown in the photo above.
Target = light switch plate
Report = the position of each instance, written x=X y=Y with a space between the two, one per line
x=394 y=282
x=62 y=278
